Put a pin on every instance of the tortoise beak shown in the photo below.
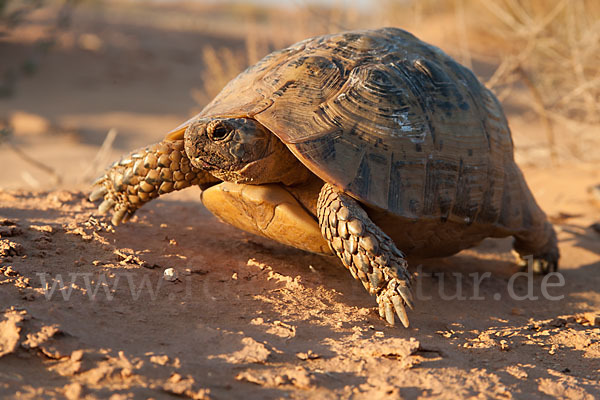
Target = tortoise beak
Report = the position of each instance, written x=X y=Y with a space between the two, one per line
x=178 y=133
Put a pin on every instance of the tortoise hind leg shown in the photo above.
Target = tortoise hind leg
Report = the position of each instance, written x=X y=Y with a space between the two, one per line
x=539 y=247
x=535 y=239
x=369 y=254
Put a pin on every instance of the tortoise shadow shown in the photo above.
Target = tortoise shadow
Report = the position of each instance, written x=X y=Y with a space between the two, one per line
x=582 y=236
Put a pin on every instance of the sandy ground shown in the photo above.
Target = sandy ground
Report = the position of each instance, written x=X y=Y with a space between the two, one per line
x=86 y=312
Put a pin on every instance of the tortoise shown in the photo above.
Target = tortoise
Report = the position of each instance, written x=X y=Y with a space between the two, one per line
x=371 y=145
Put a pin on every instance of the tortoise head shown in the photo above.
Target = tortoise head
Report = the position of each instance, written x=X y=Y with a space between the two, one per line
x=238 y=150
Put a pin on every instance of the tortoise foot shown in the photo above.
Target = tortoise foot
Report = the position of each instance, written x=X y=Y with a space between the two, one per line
x=542 y=259
x=369 y=254
x=142 y=176
x=541 y=264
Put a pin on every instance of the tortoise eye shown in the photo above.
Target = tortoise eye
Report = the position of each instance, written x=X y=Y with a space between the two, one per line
x=218 y=132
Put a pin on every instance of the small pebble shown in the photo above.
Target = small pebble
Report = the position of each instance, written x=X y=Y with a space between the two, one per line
x=170 y=275
x=592 y=318
x=309 y=355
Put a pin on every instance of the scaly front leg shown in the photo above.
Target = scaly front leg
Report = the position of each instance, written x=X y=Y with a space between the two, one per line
x=369 y=254
x=144 y=175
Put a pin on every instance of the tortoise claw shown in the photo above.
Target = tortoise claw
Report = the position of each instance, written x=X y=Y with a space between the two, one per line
x=406 y=295
x=539 y=264
x=118 y=216
x=98 y=193
x=99 y=180
x=400 y=310
x=542 y=266
x=389 y=313
x=106 y=205
x=395 y=294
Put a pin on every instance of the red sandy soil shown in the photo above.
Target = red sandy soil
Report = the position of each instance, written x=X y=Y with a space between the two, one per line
x=247 y=317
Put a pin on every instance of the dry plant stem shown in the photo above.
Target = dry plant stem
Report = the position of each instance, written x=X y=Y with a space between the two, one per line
x=576 y=57
x=508 y=68
x=221 y=67
x=101 y=157
x=56 y=179
x=465 y=53
x=579 y=91
x=561 y=68
x=541 y=109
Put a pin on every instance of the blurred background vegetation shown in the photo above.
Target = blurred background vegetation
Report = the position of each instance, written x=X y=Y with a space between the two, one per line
x=16 y=12
x=83 y=67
